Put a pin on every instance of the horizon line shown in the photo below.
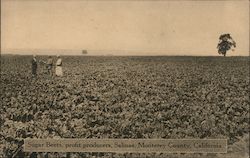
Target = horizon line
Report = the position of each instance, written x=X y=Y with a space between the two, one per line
x=99 y=52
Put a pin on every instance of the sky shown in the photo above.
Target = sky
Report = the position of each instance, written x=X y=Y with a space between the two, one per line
x=123 y=27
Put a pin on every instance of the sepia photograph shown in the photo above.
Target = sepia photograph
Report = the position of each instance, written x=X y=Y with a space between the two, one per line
x=124 y=79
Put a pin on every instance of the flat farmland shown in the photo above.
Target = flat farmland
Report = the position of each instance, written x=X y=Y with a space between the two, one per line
x=124 y=97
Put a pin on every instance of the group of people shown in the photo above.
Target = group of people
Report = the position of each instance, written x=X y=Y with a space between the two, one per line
x=49 y=66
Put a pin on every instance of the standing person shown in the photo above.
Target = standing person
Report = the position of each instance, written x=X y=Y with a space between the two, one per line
x=49 y=65
x=34 y=66
x=59 y=66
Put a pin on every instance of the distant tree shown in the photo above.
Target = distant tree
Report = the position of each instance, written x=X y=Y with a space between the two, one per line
x=225 y=43
x=84 y=52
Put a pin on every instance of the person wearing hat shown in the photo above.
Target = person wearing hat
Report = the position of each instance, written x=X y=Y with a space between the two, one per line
x=59 y=66
x=34 y=66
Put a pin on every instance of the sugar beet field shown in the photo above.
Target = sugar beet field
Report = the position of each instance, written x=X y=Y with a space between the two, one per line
x=125 y=97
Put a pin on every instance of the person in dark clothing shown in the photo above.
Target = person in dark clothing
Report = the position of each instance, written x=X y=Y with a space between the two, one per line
x=49 y=65
x=34 y=66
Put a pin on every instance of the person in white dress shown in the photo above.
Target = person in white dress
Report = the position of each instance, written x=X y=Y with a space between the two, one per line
x=59 y=71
